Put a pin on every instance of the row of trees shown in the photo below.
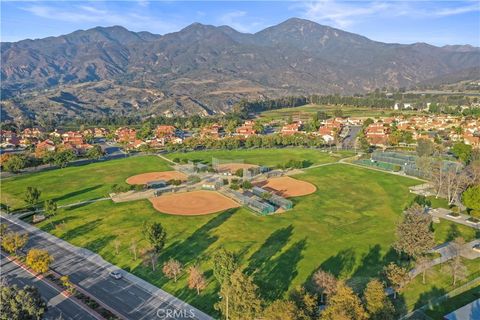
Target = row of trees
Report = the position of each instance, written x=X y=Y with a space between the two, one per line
x=60 y=157
x=266 y=141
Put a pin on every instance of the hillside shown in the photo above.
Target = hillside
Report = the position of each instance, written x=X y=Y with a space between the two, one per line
x=203 y=69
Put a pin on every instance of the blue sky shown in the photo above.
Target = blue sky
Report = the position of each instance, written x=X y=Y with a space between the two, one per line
x=435 y=22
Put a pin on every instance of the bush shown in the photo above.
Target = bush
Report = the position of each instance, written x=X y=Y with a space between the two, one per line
x=247 y=185
x=234 y=186
x=396 y=168
x=475 y=214
x=455 y=209
x=194 y=179
x=176 y=160
x=239 y=173
x=422 y=201
x=139 y=187
x=225 y=182
x=121 y=188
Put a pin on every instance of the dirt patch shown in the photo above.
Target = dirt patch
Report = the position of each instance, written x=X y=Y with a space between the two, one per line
x=288 y=187
x=193 y=203
x=233 y=167
x=155 y=176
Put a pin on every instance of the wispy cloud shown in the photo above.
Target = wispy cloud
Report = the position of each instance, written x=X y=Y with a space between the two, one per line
x=101 y=16
x=345 y=13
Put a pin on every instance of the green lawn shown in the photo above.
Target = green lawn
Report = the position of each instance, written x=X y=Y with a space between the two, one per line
x=438 y=283
x=448 y=230
x=308 y=110
x=346 y=227
x=74 y=184
x=454 y=303
x=268 y=157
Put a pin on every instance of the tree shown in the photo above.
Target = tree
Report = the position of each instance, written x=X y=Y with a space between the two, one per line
x=281 y=310
x=378 y=305
x=307 y=303
x=39 y=260
x=471 y=197
x=397 y=277
x=325 y=283
x=414 y=236
x=425 y=148
x=133 y=248
x=172 y=269
x=62 y=157
x=25 y=304
x=14 y=241
x=155 y=234
x=462 y=151
x=344 y=304
x=32 y=194
x=3 y=230
x=149 y=257
x=196 y=279
x=116 y=244
x=95 y=152
x=224 y=264
x=67 y=284
x=457 y=269
x=422 y=264
x=50 y=207
x=239 y=297
x=14 y=163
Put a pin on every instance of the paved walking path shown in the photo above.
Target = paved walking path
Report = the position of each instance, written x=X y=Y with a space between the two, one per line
x=131 y=297
x=461 y=219
x=28 y=213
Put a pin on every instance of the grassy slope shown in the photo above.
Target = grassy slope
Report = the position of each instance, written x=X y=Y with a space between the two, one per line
x=74 y=184
x=268 y=157
x=342 y=228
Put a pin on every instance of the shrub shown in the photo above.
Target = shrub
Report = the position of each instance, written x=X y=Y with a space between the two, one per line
x=234 y=186
x=247 y=185
x=239 y=173
x=139 y=187
x=176 y=160
x=225 y=182
x=194 y=179
x=475 y=214
x=396 y=168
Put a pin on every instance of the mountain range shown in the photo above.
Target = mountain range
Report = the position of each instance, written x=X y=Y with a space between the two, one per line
x=204 y=69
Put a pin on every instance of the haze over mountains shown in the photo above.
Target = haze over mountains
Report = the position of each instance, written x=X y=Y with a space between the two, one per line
x=206 y=69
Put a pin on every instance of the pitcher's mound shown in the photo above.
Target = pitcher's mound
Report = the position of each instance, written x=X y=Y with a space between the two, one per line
x=193 y=203
x=143 y=178
x=288 y=187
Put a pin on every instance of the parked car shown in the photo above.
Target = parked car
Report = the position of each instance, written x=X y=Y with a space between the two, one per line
x=476 y=247
x=116 y=275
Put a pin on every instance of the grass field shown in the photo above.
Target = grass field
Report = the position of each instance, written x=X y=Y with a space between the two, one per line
x=345 y=227
x=267 y=157
x=75 y=184
x=454 y=303
x=349 y=238
x=438 y=283
x=308 y=110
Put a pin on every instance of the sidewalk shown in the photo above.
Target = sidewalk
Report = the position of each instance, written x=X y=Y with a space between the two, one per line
x=461 y=219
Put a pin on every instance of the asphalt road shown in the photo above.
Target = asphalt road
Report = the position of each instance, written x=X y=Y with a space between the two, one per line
x=59 y=307
x=128 y=299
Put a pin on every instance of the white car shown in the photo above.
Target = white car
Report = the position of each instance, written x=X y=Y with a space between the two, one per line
x=116 y=275
x=476 y=247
